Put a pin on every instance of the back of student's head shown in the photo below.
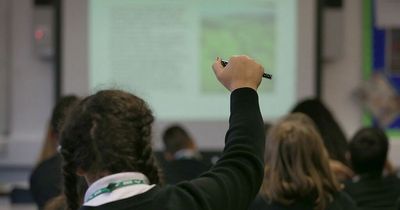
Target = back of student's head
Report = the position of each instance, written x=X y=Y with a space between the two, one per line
x=60 y=110
x=176 y=138
x=296 y=164
x=332 y=135
x=368 y=150
x=106 y=133
x=58 y=116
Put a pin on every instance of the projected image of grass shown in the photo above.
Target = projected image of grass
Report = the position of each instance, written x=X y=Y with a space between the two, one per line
x=233 y=35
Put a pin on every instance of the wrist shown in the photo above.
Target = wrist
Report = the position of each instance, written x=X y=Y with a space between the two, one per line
x=235 y=86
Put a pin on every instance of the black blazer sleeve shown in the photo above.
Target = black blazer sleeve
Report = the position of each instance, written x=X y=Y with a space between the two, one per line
x=235 y=180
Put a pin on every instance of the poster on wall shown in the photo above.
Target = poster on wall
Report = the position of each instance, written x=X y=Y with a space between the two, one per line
x=380 y=92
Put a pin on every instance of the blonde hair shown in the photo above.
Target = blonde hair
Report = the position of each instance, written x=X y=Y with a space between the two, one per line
x=297 y=164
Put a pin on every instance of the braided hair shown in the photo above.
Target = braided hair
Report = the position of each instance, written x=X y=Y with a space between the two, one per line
x=106 y=133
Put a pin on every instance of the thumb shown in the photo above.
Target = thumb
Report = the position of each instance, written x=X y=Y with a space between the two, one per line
x=217 y=67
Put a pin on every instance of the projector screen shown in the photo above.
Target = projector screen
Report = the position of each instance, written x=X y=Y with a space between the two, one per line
x=163 y=50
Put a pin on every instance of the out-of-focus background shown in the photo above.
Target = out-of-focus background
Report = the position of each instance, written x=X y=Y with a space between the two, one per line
x=162 y=51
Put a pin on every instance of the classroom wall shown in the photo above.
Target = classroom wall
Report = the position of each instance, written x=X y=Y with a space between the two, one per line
x=32 y=90
x=31 y=98
x=207 y=133
x=3 y=66
x=343 y=75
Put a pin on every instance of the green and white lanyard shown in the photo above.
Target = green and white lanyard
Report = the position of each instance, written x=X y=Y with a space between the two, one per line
x=115 y=185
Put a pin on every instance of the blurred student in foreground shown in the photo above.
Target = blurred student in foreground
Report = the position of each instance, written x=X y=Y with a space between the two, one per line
x=371 y=188
x=297 y=173
x=46 y=178
x=183 y=158
x=107 y=140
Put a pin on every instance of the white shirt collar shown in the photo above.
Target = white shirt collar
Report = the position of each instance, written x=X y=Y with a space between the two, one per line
x=117 y=194
x=186 y=154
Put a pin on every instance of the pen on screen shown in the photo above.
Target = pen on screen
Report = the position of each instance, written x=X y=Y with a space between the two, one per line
x=265 y=75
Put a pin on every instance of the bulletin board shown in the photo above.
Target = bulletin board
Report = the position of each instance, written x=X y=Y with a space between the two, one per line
x=381 y=56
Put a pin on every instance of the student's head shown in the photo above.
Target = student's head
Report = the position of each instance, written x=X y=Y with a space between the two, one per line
x=106 y=133
x=368 y=150
x=176 y=138
x=332 y=135
x=296 y=163
x=60 y=110
x=58 y=115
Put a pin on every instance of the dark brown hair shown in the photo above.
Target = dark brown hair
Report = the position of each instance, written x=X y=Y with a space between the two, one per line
x=60 y=202
x=368 y=150
x=297 y=166
x=332 y=134
x=61 y=110
x=59 y=113
x=175 y=138
x=106 y=133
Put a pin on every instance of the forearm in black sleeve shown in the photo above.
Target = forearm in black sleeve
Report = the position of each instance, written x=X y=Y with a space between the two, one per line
x=235 y=180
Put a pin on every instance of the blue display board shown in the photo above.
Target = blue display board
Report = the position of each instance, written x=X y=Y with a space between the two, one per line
x=381 y=55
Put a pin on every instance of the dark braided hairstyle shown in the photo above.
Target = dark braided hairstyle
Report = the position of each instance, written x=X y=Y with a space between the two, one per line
x=106 y=133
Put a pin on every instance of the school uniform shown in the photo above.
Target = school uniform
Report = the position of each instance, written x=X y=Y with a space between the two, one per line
x=231 y=184
x=341 y=201
x=185 y=166
x=46 y=181
x=374 y=191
